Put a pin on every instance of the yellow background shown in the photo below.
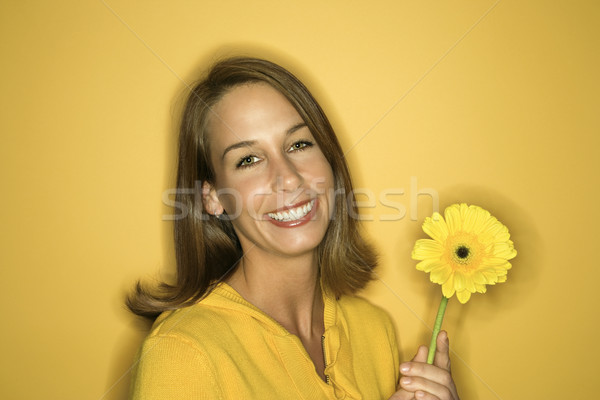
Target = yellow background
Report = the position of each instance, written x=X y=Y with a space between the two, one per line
x=485 y=102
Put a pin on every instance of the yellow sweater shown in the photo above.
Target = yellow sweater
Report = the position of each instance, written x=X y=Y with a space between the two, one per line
x=225 y=348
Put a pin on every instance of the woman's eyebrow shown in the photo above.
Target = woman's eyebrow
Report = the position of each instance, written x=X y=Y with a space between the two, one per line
x=294 y=128
x=245 y=143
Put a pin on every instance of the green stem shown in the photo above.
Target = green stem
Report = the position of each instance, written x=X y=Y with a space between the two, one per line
x=436 y=329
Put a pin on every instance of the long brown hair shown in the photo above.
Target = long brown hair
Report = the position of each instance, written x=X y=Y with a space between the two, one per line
x=206 y=248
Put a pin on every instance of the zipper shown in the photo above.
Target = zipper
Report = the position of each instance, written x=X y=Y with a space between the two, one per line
x=324 y=358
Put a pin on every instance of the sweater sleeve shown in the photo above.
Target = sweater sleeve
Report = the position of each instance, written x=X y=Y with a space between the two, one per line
x=171 y=367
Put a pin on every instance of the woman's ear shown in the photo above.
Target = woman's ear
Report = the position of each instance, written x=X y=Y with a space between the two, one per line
x=210 y=200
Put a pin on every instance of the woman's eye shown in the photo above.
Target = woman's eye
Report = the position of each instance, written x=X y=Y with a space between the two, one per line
x=247 y=161
x=301 y=145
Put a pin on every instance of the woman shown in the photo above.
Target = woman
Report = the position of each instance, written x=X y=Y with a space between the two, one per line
x=269 y=259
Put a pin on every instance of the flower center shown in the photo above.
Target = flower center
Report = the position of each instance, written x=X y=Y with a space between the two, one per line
x=463 y=252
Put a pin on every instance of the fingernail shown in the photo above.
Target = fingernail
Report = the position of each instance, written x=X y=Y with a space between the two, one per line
x=404 y=367
x=419 y=395
x=406 y=380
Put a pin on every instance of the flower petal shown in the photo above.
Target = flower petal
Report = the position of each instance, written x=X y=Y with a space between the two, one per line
x=483 y=218
x=448 y=287
x=452 y=216
x=493 y=262
x=480 y=288
x=464 y=211
x=492 y=228
x=469 y=284
x=470 y=218
x=441 y=274
x=478 y=278
x=502 y=236
x=429 y=264
x=463 y=296
x=436 y=228
x=490 y=276
x=427 y=248
x=459 y=281
x=504 y=250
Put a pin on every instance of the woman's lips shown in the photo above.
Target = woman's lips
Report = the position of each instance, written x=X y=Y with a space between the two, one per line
x=295 y=215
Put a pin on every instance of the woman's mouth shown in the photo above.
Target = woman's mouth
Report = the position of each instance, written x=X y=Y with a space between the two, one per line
x=293 y=214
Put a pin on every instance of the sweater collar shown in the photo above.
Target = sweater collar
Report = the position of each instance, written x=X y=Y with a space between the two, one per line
x=224 y=296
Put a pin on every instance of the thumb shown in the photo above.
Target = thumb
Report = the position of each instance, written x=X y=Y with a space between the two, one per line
x=421 y=355
x=442 y=358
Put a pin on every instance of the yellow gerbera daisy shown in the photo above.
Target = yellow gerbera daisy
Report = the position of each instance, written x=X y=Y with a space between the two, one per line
x=468 y=249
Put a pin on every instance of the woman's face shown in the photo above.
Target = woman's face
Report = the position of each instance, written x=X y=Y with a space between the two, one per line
x=271 y=177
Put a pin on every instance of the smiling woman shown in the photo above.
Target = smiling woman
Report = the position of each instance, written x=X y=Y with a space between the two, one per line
x=270 y=260
x=208 y=248
x=277 y=169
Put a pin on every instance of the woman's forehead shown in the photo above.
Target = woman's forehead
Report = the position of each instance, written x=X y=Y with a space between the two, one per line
x=251 y=112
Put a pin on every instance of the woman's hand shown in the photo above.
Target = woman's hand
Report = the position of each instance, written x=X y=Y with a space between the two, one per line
x=422 y=381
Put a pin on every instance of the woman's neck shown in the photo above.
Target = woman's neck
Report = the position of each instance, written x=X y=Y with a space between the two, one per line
x=287 y=289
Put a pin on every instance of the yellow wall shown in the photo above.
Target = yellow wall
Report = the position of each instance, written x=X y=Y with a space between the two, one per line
x=492 y=103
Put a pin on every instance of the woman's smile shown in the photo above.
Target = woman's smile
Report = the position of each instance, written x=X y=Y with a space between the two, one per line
x=293 y=216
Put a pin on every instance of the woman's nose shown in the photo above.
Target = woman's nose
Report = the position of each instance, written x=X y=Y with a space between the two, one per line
x=287 y=178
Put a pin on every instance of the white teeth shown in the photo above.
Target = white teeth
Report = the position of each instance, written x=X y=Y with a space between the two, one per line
x=293 y=214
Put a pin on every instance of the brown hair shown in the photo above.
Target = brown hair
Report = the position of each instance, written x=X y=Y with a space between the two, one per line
x=206 y=248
